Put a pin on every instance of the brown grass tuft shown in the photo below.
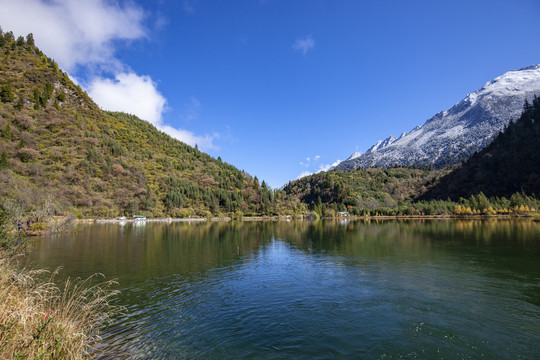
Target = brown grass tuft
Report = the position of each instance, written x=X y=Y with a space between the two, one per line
x=39 y=320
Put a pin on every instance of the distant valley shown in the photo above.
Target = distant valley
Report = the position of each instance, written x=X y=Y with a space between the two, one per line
x=61 y=154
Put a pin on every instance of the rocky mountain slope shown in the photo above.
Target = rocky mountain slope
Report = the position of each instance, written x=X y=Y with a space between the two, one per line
x=455 y=134
x=59 y=152
x=510 y=164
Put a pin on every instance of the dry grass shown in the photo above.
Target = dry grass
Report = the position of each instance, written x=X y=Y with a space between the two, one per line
x=39 y=320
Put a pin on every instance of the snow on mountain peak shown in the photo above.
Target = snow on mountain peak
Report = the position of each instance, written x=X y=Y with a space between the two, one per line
x=514 y=81
x=455 y=133
x=354 y=156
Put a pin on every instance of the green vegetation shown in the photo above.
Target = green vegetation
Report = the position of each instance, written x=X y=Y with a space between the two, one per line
x=56 y=145
x=60 y=152
x=502 y=179
x=394 y=192
x=510 y=164
x=363 y=191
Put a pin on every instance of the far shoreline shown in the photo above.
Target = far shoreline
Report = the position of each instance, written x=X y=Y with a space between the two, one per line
x=308 y=218
x=60 y=223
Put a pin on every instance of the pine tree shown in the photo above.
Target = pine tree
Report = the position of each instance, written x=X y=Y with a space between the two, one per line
x=30 y=39
x=6 y=93
x=20 y=41
x=6 y=134
x=20 y=103
x=3 y=161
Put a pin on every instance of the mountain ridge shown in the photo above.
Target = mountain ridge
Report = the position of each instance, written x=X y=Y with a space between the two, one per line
x=510 y=164
x=454 y=134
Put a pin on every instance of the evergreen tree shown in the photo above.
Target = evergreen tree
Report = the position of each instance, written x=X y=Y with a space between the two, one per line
x=48 y=91
x=6 y=93
x=8 y=36
x=36 y=98
x=7 y=133
x=20 y=103
x=20 y=41
x=30 y=39
x=3 y=160
x=61 y=96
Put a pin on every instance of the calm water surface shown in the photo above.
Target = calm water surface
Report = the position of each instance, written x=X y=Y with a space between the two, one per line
x=324 y=290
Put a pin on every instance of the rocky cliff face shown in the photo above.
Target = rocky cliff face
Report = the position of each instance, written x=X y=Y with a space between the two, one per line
x=454 y=134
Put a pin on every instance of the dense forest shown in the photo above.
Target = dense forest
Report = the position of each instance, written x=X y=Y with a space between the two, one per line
x=503 y=178
x=510 y=164
x=361 y=191
x=59 y=152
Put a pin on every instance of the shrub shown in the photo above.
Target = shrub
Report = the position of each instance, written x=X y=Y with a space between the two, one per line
x=27 y=154
x=24 y=121
x=38 y=226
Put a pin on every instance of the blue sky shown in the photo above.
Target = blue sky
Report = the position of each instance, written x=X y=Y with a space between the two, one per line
x=281 y=88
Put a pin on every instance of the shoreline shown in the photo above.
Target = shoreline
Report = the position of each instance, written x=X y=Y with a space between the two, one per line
x=307 y=218
x=59 y=222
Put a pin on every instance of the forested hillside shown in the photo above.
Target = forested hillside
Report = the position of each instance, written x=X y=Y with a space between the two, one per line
x=510 y=164
x=503 y=178
x=60 y=153
x=362 y=191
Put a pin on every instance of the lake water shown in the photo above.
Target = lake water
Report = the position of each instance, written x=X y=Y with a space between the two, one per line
x=323 y=290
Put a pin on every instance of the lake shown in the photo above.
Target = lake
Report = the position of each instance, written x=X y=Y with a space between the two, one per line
x=325 y=290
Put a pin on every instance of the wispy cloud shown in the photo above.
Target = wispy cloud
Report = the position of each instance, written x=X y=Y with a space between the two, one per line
x=304 y=44
x=189 y=6
x=312 y=162
x=327 y=167
x=205 y=142
x=85 y=33
x=191 y=110
x=307 y=162
x=304 y=174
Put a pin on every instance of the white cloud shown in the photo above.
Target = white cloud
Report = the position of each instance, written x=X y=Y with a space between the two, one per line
x=308 y=160
x=321 y=168
x=304 y=174
x=203 y=142
x=304 y=44
x=138 y=95
x=130 y=93
x=328 y=166
x=84 y=33
x=74 y=32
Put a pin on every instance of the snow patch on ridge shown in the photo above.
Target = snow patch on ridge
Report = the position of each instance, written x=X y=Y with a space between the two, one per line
x=453 y=134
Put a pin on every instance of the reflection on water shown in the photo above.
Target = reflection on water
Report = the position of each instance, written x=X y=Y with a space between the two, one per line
x=353 y=289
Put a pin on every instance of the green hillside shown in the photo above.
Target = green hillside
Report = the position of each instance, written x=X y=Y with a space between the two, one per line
x=60 y=153
x=362 y=191
x=510 y=164
x=504 y=178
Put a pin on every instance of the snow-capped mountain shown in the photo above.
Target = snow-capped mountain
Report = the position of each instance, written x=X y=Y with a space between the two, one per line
x=456 y=133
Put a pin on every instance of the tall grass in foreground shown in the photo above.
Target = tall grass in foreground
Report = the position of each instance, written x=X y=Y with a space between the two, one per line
x=39 y=320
